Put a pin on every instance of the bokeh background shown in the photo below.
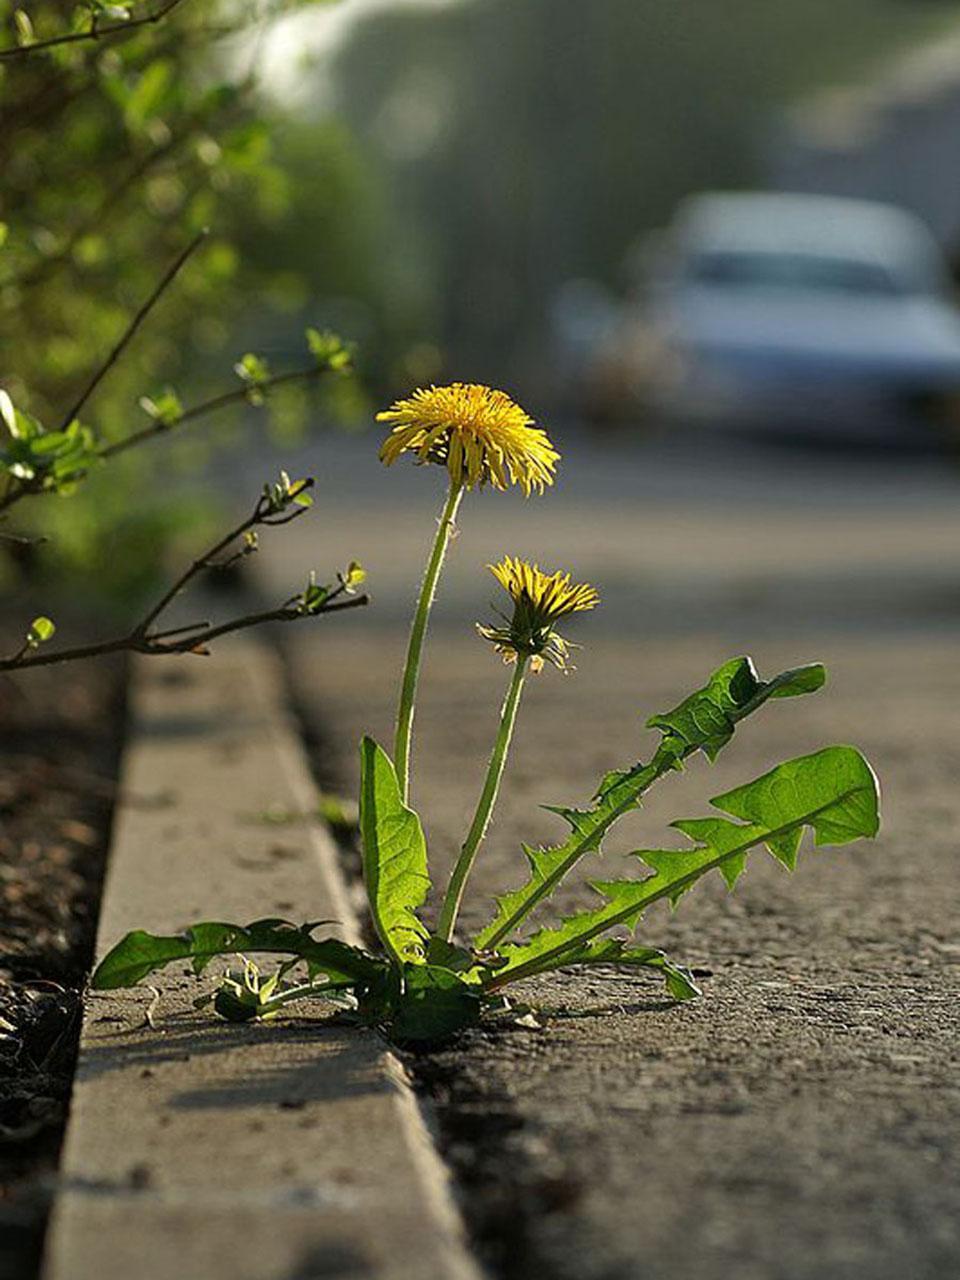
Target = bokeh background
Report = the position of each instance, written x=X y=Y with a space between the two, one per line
x=495 y=191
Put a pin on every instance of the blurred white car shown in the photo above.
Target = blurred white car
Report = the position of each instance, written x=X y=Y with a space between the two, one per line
x=798 y=310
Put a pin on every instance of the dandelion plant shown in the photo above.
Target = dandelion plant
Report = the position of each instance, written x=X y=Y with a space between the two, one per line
x=425 y=980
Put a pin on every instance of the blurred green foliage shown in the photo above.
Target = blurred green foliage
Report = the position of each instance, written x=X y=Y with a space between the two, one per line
x=115 y=151
x=468 y=159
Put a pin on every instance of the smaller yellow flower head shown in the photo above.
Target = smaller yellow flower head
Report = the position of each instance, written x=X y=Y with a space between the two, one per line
x=539 y=601
x=548 y=596
x=478 y=433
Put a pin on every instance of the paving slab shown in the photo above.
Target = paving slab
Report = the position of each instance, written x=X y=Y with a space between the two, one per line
x=204 y=1150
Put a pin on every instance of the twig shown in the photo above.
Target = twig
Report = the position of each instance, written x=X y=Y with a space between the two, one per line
x=163 y=284
x=194 y=643
x=93 y=32
x=22 y=539
x=15 y=493
x=194 y=637
x=260 y=515
x=221 y=401
x=21 y=489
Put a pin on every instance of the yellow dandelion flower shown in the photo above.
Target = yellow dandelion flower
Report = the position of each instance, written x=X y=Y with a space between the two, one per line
x=540 y=600
x=478 y=433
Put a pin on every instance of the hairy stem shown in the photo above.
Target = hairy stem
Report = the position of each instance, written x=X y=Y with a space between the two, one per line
x=488 y=798
x=411 y=671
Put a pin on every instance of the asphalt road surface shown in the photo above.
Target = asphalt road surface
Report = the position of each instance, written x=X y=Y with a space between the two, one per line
x=799 y=1122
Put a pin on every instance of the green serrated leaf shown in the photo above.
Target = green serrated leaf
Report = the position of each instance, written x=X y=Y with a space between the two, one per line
x=834 y=792
x=394 y=857
x=615 y=951
x=703 y=722
x=139 y=953
x=706 y=720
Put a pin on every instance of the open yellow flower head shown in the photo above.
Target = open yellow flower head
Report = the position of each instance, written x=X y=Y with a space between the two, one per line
x=539 y=601
x=478 y=433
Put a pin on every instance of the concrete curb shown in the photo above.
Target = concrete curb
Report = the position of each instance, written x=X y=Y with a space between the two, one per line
x=281 y=1152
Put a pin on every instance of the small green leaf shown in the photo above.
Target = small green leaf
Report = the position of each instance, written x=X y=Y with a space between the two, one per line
x=394 y=857
x=285 y=492
x=165 y=408
x=252 y=369
x=313 y=597
x=8 y=413
x=150 y=94
x=449 y=956
x=329 y=350
x=24 y=26
x=41 y=630
x=234 y=1005
x=354 y=576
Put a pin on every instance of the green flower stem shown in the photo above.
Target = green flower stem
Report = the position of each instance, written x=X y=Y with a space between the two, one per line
x=488 y=798
x=411 y=672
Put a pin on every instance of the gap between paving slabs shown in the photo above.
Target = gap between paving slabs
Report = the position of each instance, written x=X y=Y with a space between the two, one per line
x=209 y=1150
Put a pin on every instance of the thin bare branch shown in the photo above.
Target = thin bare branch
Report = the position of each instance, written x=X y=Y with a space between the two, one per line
x=22 y=489
x=93 y=32
x=221 y=401
x=193 y=637
x=194 y=642
x=259 y=515
x=163 y=284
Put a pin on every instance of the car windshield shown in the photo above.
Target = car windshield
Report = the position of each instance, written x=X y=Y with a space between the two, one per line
x=752 y=269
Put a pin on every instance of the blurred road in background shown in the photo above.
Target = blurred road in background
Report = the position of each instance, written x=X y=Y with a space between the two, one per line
x=680 y=535
x=796 y=1122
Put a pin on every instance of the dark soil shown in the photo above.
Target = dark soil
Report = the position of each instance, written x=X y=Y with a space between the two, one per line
x=60 y=740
